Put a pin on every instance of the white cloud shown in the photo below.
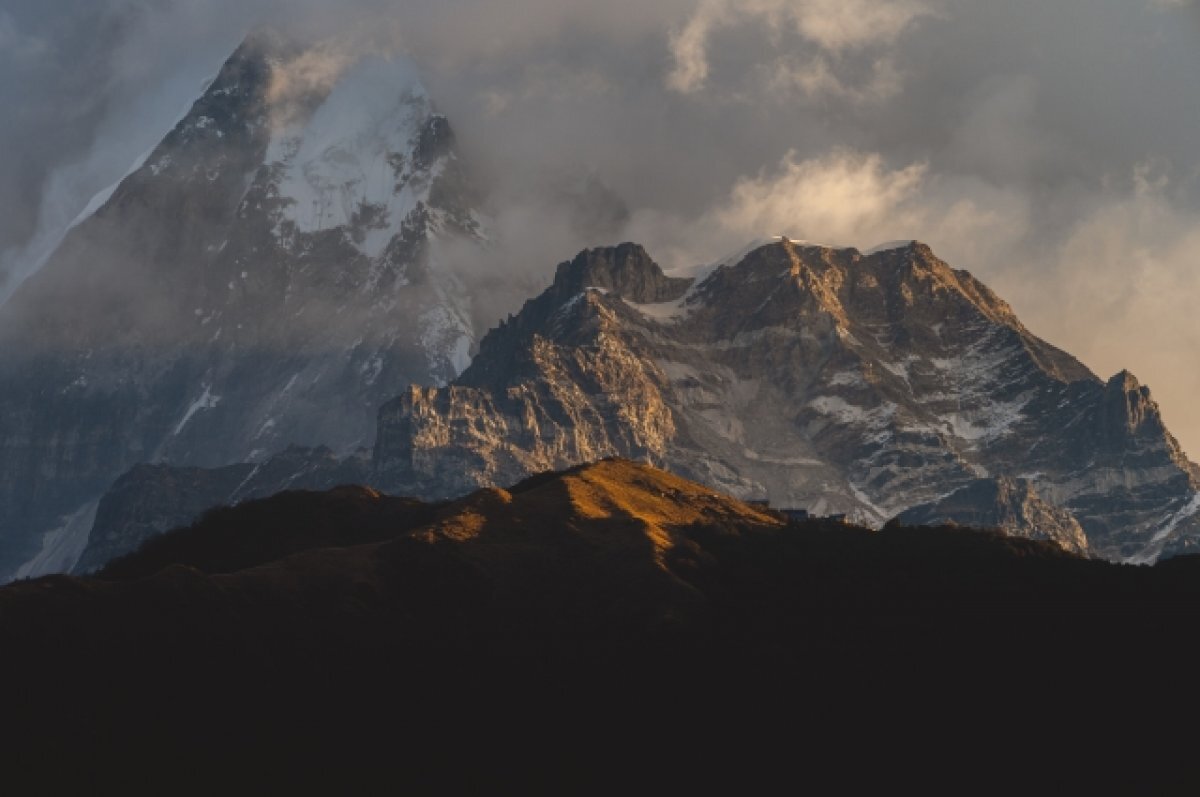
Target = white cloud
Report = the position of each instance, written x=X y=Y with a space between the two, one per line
x=689 y=46
x=840 y=24
x=848 y=198
x=831 y=26
x=312 y=73
x=839 y=199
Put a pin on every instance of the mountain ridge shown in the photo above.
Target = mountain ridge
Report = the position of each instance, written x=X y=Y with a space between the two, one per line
x=819 y=378
x=900 y=386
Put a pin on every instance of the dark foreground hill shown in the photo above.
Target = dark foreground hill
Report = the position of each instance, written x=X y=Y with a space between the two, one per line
x=610 y=627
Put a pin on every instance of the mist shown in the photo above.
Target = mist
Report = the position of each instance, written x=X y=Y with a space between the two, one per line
x=1048 y=148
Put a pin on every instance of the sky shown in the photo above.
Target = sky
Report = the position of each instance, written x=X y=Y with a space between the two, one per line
x=1048 y=148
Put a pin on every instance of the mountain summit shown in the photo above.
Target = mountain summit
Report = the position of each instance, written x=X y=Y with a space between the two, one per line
x=270 y=275
x=817 y=378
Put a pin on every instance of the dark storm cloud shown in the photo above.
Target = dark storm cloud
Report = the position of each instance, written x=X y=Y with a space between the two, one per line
x=1048 y=147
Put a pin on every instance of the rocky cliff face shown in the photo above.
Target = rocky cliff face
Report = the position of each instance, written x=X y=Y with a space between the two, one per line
x=269 y=276
x=559 y=385
x=1010 y=505
x=821 y=378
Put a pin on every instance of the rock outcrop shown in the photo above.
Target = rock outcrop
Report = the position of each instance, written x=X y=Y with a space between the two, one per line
x=1008 y=505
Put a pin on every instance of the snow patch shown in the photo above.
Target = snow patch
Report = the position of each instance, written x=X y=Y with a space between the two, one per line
x=1154 y=548
x=663 y=312
x=376 y=240
x=460 y=354
x=371 y=369
x=446 y=339
x=899 y=370
x=162 y=163
x=755 y=456
x=206 y=401
x=846 y=379
x=234 y=496
x=988 y=422
x=350 y=162
x=62 y=547
x=739 y=255
x=863 y=499
x=799 y=242
x=845 y=412
x=888 y=247
x=267 y=426
x=570 y=303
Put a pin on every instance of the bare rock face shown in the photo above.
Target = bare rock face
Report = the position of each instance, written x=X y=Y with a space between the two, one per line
x=817 y=378
x=1009 y=505
x=625 y=270
x=269 y=276
x=1133 y=488
x=577 y=394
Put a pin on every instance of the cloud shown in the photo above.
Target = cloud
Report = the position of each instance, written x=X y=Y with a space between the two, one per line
x=1121 y=291
x=840 y=24
x=846 y=198
x=311 y=74
x=841 y=198
x=817 y=76
x=832 y=26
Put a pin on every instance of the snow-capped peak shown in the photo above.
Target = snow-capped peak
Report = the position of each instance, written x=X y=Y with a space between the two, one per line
x=353 y=159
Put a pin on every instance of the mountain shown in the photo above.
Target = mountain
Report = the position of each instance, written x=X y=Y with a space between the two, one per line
x=827 y=379
x=149 y=500
x=606 y=622
x=278 y=268
x=1009 y=505
x=269 y=275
